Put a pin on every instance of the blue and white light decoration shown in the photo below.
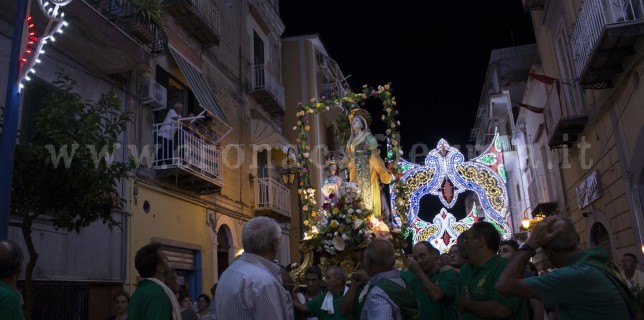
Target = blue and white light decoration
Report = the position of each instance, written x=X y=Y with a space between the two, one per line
x=33 y=45
x=446 y=174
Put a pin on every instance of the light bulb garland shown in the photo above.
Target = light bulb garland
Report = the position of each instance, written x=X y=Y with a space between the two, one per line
x=33 y=45
x=446 y=174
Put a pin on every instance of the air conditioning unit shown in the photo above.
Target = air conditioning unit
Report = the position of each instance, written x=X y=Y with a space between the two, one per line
x=154 y=94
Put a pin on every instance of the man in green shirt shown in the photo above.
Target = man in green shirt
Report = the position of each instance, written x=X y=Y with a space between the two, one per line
x=586 y=285
x=152 y=299
x=10 y=262
x=325 y=305
x=478 y=298
x=435 y=290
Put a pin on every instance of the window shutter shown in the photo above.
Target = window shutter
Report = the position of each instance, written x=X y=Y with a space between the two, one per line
x=37 y=93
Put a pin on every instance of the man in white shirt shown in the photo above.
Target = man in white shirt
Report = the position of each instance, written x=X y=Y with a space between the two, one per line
x=165 y=137
x=634 y=277
x=251 y=288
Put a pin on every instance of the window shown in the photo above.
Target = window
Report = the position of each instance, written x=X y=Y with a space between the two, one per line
x=570 y=95
x=37 y=93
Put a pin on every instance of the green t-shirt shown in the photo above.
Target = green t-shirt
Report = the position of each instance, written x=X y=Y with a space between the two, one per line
x=10 y=308
x=580 y=291
x=447 y=281
x=481 y=282
x=315 y=307
x=149 y=301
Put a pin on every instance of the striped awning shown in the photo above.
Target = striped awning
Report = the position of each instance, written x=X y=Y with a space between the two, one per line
x=198 y=86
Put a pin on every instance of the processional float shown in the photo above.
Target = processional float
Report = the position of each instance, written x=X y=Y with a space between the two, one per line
x=350 y=213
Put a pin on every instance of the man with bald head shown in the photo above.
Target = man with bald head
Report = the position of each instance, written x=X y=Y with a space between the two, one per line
x=388 y=296
x=10 y=262
x=586 y=285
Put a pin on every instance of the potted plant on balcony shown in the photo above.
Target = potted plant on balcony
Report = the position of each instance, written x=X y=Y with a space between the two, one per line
x=146 y=22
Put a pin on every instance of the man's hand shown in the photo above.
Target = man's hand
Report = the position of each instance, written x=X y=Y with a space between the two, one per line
x=546 y=230
x=464 y=300
x=358 y=278
x=413 y=266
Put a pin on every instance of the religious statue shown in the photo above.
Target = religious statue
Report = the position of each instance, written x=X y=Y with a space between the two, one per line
x=366 y=168
x=332 y=182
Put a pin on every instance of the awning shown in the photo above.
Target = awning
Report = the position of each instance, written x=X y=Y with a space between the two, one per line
x=200 y=89
x=263 y=135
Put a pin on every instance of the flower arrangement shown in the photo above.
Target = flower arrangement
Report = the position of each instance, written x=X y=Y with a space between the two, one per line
x=343 y=222
x=350 y=99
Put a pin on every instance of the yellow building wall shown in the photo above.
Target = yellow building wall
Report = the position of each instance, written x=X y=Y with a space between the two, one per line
x=174 y=220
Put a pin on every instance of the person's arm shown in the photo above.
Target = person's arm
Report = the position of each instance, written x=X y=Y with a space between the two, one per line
x=511 y=280
x=483 y=309
x=433 y=291
x=358 y=279
x=297 y=305
x=271 y=302
x=538 y=310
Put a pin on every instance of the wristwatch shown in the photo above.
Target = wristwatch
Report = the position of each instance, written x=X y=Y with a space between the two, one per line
x=529 y=248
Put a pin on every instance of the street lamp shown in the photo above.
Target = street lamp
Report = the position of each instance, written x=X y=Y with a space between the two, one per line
x=289 y=172
x=527 y=223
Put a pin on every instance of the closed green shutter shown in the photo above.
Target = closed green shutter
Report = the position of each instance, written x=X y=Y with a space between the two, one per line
x=37 y=93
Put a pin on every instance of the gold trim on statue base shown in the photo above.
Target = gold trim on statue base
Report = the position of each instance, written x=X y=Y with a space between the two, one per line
x=349 y=260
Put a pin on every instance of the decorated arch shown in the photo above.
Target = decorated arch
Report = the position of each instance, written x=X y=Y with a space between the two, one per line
x=446 y=175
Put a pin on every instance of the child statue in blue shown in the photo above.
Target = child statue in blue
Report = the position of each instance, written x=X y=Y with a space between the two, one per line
x=333 y=182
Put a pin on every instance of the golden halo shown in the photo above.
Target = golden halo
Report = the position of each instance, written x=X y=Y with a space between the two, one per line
x=361 y=112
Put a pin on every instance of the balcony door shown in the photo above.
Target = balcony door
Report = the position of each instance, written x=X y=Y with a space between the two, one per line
x=263 y=175
x=258 y=60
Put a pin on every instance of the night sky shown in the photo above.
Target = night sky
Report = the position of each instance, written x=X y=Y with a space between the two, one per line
x=434 y=54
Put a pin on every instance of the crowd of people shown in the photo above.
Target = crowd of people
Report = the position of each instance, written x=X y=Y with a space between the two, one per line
x=481 y=277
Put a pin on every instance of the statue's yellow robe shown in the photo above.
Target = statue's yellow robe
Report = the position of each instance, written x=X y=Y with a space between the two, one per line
x=366 y=169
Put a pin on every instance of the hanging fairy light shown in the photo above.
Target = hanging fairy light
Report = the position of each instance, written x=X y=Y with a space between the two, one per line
x=33 y=46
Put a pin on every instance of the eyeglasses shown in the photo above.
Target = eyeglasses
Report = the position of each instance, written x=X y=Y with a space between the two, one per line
x=465 y=238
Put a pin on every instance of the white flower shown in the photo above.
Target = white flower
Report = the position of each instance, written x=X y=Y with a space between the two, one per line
x=350 y=210
x=357 y=224
x=358 y=211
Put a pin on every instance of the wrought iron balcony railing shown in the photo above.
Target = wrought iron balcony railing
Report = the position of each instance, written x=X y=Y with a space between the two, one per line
x=190 y=151
x=603 y=34
x=265 y=87
x=273 y=195
x=200 y=18
x=129 y=18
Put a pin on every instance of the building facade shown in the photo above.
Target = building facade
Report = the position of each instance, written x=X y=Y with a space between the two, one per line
x=222 y=62
x=591 y=137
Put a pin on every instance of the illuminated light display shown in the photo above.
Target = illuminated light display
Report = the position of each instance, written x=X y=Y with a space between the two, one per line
x=446 y=174
x=33 y=46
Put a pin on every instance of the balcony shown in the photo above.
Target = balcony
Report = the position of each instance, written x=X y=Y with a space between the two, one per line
x=95 y=40
x=266 y=89
x=128 y=17
x=563 y=121
x=542 y=199
x=195 y=162
x=273 y=199
x=200 y=18
x=603 y=35
x=332 y=90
